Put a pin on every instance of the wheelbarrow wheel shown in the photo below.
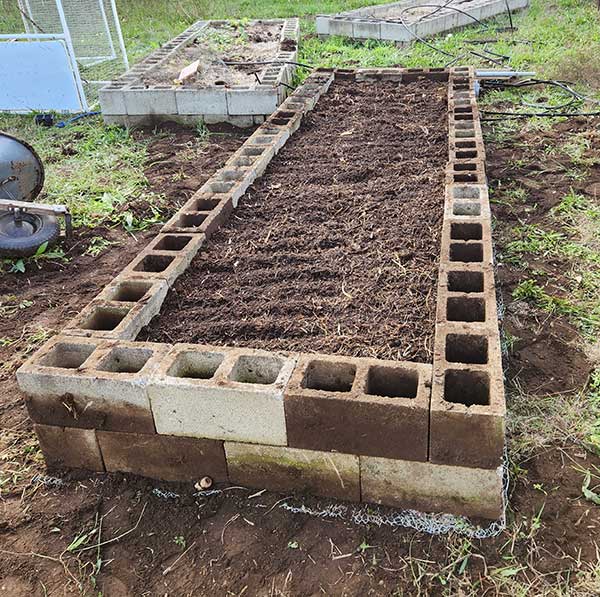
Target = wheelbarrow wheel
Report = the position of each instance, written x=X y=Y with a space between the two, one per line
x=23 y=236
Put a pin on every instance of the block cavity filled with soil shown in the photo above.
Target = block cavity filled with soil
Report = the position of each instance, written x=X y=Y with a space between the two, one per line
x=336 y=248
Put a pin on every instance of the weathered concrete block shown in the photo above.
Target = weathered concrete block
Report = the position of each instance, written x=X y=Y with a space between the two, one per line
x=432 y=487
x=202 y=101
x=220 y=393
x=69 y=448
x=258 y=100
x=343 y=27
x=163 y=264
x=359 y=406
x=112 y=100
x=366 y=29
x=162 y=456
x=150 y=101
x=79 y=382
x=289 y=469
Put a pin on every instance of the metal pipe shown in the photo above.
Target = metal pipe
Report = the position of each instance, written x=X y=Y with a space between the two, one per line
x=502 y=74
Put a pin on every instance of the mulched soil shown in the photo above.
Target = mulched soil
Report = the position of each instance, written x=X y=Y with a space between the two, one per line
x=336 y=248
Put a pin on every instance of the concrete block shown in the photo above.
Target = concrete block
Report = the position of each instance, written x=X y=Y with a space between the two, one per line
x=163 y=457
x=221 y=393
x=69 y=448
x=150 y=101
x=136 y=302
x=359 y=406
x=84 y=383
x=395 y=32
x=366 y=29
x=202 y=101
x=112 y=100
x=163 y=264
x=343 y=27
x=289 y=469
x=432 y=488
x=250 y=101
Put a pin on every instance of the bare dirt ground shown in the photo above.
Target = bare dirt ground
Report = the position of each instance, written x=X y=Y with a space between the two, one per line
x=137 y=543
x=336 y=248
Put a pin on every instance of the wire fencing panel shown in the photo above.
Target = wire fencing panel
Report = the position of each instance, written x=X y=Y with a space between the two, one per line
x=94 y=31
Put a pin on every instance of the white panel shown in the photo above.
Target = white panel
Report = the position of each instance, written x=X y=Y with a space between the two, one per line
x=37 y=75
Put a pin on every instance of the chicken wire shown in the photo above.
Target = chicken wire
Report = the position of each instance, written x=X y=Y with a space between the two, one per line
x=92 y=29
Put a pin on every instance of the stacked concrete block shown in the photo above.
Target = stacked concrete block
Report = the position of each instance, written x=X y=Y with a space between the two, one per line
x=129 y=101
x=467 y=399
x=401 y=434
x=398 y=23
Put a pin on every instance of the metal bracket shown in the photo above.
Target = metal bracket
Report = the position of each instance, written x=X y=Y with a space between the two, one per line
x=40 y=208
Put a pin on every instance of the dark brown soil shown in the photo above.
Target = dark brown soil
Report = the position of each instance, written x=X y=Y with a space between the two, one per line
x=547 y=355
x=336 y=248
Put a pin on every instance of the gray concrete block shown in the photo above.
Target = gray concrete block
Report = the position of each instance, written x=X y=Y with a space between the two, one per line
x=342 y=27
x=432 y=487
x=202 y=101
x=220 y=393
x=251 y=101
x=289 y=469
x=150 y=101
x=112 y=101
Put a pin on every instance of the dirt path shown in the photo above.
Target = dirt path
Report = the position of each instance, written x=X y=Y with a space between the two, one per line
x=336 y=248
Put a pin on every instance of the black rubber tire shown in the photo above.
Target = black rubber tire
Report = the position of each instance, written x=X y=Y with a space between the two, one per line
x=44 y=228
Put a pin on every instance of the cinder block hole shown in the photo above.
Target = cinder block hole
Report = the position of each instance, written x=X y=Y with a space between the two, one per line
x=256 y=369
x=466 y=348
x=466 y=252
x=220 y=187
x=464 y=208
x=104 y=319
x=463 y=109
x=262 y=140
x=191 y=220
x=229 y=175
x=154 y=263
x=173 y=242
x=122 y=359
x=329 y=376
x=392 y=382
x=67 y=355
x=467 y=387
x=130 y=292
x=411 y=70
x=465 y=117
x=464 y=134
x=466 y=193
x=460 y=87
x=464 y=126
x=466 y=231
x=465 y=177
x=280 y=121
x=284 y=114
x=463 y=167
x=437 y=70
x=196 y=365
x=252 y=150
x=466 y=154
x=464 y=308
x=465 y=281
x=243 y=162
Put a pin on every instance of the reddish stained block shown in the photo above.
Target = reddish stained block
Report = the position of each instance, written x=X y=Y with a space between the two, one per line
x=359 y=406
x=69 y=448
x=163 y=457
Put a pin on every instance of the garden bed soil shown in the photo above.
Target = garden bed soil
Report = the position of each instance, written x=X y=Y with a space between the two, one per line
x=336 y=248
x=214 y=47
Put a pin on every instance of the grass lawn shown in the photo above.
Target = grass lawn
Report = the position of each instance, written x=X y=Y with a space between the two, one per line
x=549 y=262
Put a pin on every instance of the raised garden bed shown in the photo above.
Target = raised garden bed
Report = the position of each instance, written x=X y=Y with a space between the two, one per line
x=307 y=414
x=242 y=75
x=405 y=21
